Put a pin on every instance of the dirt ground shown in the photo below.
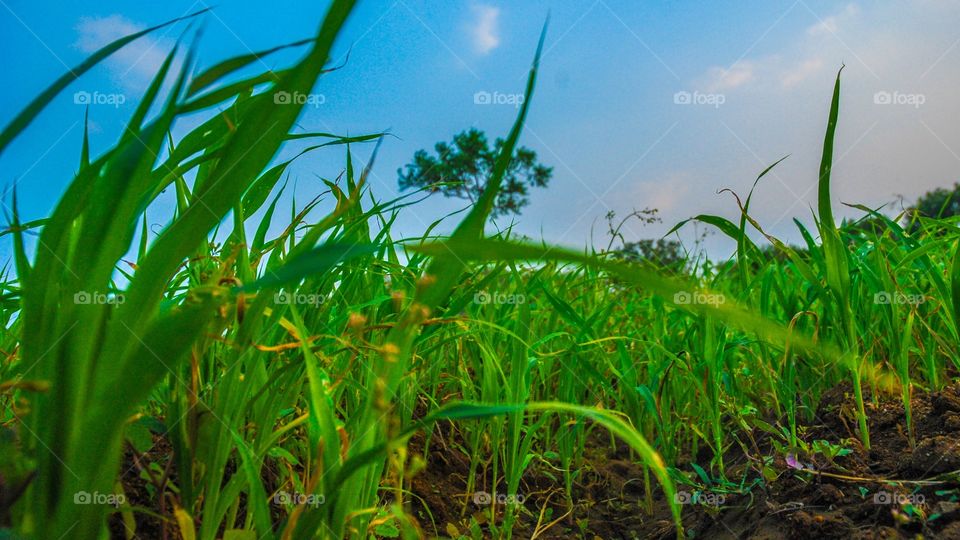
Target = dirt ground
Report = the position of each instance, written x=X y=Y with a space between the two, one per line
x=862 y=494
x=891 y=491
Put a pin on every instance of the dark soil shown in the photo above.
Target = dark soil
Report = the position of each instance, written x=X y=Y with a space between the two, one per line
x=140 y=492
x=872 y=494
x=862 y=494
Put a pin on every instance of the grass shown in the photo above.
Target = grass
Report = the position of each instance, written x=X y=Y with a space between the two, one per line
x=305 y=362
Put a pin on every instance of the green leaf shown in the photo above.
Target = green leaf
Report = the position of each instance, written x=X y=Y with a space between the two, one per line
x=23 y=119
x=221 y=70
x=315 y=261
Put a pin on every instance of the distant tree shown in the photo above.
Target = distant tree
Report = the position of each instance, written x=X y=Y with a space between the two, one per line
x=939 y=203
x=461 y=169
x=664 y=253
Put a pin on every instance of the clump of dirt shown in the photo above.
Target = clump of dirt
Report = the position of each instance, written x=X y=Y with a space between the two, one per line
x=891 y=491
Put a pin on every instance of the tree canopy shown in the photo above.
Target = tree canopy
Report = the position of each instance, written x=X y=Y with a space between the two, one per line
x=939 y=203
x=461 y=169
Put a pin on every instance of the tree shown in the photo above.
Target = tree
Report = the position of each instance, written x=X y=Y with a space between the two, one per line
x=664 y=253
x=461 y=169
x=939 y=203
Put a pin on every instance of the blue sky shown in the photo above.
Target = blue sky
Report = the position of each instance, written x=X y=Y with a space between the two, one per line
x=653 y=104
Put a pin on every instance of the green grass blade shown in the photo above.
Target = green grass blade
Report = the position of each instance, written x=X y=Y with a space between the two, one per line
x=23 y=119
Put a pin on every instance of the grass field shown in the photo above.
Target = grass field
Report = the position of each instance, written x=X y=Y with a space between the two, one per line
x=205 y=382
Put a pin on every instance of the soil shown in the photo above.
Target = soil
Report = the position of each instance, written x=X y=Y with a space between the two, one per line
x=890 y=491
x=140 y=493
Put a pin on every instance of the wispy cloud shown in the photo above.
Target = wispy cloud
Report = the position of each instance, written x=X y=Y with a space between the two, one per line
x=132 y=66
x=669 y=193
x=762 y=73
x=831 y=24
x=735 y=76
x=801 y=72
x=897 y=135
x=485 y=28
x=789 y=67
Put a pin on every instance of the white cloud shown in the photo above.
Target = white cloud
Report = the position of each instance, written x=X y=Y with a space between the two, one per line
x=801 y=72
x=485 y=28
x=668 y=194
x=133 y=66
x=883 y=147
x=791 y=66
x=735 y=76
x=831 y=24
